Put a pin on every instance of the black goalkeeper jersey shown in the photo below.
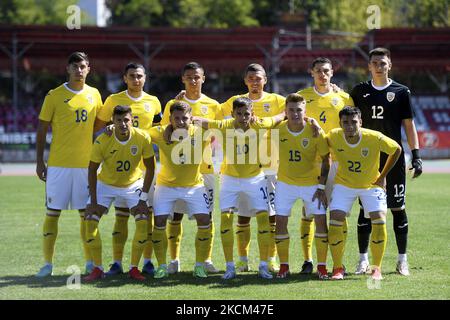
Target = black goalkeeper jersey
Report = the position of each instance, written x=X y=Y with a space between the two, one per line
x=383 y=110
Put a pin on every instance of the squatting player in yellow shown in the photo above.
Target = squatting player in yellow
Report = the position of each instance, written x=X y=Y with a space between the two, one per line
x=264 y=105
x=297 y=179
x=323 y=103
x=70 y=111
x=241 y=175
x=193 y=77
x=119 y=180
x=358 y=152
x=180 y=179
x=146 y=112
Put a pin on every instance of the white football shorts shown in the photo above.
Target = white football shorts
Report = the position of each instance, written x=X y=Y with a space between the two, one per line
x=66 y=188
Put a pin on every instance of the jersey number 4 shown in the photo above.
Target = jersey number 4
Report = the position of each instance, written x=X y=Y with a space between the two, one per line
x=322 y=117
x=377 y=112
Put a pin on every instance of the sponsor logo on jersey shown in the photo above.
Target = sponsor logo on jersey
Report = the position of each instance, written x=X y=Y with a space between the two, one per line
x=67 y=100
x=114 y=151
x=365 y=152
x=390 y=96
x=204 y=109
x=340 y=150
x=335 y=101
x=147 y=107
x=305 y=142
x=284 y=140
x=366 y=95
x=266 y=107
x=134 y=150
x=309 y=101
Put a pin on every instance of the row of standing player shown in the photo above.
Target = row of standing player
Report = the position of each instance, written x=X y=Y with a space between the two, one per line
x=265 y=105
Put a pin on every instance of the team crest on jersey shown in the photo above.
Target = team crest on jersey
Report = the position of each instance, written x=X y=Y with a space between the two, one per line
x=147 y=107
x=266 y=107
x=305 y=142
x=89 y=98
x=365 y=152
x=204 y=109
x=134 y=150
x=335 y=101
x=390 y=96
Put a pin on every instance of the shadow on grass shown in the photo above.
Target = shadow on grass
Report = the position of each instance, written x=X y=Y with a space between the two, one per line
x=180 y=279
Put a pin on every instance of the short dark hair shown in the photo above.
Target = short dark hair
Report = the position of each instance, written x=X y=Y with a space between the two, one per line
x=254 y=67
x=380 y=52
x=294 y=97
x=121 y=110
x=349 y=111
x=242 y=102
x=320 y=60
x=180 y=106
x=133 y=65
x=77 y=57
x=192 y=66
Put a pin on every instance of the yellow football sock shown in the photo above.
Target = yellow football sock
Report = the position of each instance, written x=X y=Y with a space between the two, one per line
x=160 y=244
x=139 y=240
x=378 y=241
x=307 y=237
x=50 y=232
x=272 y=245
x=243 y=239
x=202 y=243
x=87 y=254
x=94 y=240
x=174 y=234
x=336 y=241
x=148 y=249
x=227 y=236
x=119 y=236
x=321 y=240
x=262 y=218
x=282 y=241
x=213 y=230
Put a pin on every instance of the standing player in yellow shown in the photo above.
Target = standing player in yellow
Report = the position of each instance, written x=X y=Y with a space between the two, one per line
x=70 y=111
x=146 y=112
x=264 y=105
x=297 y=179
x=242 y=176
x=323 y=103
x=119 y=180
x=180 y=179
x=358 y=152
x=193 y=76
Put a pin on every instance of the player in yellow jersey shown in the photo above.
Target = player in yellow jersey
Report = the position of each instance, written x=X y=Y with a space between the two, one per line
x=180 y=179
x=323 y=103
x=193 y=76
x=358 y=152
x=242 y=176
x=297 y=179
x=146 y=111
x=119 y=180
x=264 y=105
x=70 y=110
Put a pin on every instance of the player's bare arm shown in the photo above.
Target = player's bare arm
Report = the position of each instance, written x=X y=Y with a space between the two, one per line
x=315 y=126
x=413 y=142
x=142 y=207
x=320 y=192
x=390 y=162
x=93 y=208
x=201 y=122
x=41 y=168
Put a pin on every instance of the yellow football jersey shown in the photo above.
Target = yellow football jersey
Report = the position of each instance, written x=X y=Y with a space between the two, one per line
x=359 y=163
x=325 y=107
x=180 y=160
x=120 y=159
x=298 y=151
x=269 y=105
x=242 y=154
x=143 y=109
x=71 y=115
x=204 y=107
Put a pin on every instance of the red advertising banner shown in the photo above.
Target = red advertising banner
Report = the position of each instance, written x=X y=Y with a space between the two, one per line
x=434 y=140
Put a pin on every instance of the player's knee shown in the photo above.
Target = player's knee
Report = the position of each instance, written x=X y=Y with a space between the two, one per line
x=160 y=221
x=202 y=220
x=243 y=220
x=177 y=216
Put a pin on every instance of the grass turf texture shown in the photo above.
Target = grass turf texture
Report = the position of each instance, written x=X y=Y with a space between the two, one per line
x=22 y=214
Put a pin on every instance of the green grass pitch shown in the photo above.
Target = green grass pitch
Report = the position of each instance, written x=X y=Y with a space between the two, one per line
x=22 y=214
